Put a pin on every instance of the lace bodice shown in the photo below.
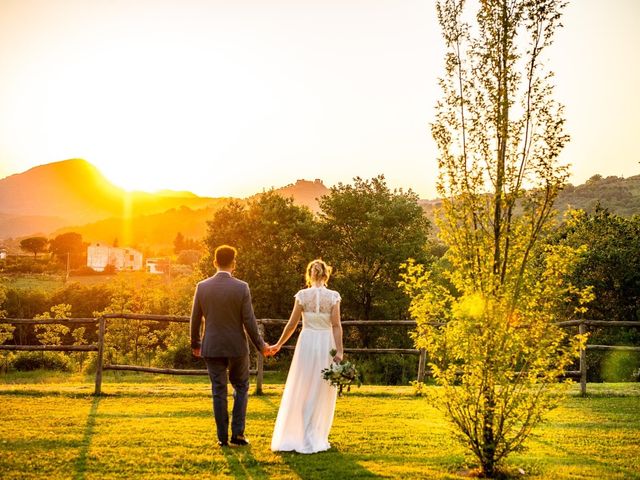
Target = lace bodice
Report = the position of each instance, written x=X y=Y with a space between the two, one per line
x=317 y=299
x=317 y=303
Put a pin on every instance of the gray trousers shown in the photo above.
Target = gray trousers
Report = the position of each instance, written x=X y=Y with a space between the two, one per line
x=221 y=371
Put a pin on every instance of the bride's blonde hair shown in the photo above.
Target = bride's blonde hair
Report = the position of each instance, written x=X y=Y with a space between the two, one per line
x=317 y=271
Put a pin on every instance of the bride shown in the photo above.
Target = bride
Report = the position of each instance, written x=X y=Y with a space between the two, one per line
x=308 y=402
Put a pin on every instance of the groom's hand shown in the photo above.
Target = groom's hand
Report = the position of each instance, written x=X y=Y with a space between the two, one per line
x=266 y=350
x=196 y=352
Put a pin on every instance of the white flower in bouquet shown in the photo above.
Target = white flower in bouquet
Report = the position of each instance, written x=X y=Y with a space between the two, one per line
x=341 y=374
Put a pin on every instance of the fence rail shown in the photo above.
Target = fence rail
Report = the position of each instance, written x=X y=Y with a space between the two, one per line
x=262 y=323
x=51 y=348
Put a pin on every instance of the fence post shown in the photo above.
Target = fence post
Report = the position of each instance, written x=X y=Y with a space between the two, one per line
x=259 y=364
x=101 y=330
x=422 y=364
x=583 y=363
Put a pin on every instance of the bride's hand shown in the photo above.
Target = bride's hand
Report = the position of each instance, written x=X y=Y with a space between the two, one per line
x=338 y=357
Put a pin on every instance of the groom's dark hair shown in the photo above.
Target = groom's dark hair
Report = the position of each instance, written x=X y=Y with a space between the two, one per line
x=224 y=256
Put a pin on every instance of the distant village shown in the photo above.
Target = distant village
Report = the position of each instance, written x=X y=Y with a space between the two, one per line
x=100 y=256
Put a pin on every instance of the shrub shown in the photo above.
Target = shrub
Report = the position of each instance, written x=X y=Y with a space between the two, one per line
x=387 y=369
x=84 y=271
x=178 y=355
x=620 y=366
x=29 y=361
x=90 y=364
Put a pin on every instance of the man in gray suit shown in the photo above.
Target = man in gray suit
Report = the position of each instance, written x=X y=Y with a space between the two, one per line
x=225 y=304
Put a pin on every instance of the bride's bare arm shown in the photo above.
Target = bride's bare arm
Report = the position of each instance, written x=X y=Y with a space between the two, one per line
x=291 y=325
x=336 y=326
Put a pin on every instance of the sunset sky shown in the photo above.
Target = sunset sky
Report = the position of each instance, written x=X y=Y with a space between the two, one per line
x=225 y=97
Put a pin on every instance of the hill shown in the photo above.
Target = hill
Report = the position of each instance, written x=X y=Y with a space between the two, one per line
x=156 y=231
x=159 y=230
x=73 y=190
x=304 y=193
x=48 y=197
x=18 y=225
x=73 y=195
x=620 y=195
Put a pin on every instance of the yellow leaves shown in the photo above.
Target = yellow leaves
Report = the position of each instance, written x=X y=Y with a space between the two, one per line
x=470 y=306
x=514 y=319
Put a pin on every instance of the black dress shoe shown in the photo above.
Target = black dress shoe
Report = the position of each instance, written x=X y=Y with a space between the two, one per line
x=239 y=441
x=223 y=444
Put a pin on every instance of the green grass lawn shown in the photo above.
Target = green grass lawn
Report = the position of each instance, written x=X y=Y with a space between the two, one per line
x=50 y=282
x=156 y=427
x=43 y=281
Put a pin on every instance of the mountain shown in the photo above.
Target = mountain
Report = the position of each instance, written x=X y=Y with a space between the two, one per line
x=19 y=225
x=304 y=193
x=73 y=195
x=72 y=192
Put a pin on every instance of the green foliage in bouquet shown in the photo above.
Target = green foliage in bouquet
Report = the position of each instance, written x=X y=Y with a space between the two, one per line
x=341 y=374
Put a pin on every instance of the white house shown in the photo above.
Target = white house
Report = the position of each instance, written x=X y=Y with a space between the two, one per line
x=99 y=256
x=152 y=265
x=3 y=254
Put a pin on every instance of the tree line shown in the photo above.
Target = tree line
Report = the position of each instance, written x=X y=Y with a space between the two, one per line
x=365 y=230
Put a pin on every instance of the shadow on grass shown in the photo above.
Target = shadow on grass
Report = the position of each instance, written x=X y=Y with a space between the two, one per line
x=268 y=401
x=323 y=465
x=574 y=457
x=23 y=392
x=120 y=392
x=81 y=461
x=243 y=465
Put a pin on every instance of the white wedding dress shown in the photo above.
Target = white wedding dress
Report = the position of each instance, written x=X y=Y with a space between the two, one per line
x=308 y=402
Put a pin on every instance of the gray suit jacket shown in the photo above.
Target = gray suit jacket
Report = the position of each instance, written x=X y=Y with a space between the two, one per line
x=225 y=304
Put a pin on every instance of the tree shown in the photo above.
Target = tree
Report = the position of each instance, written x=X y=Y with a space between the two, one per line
x=53 y=333
x=181 y=243
x=368 y=230
x=275 y=241
x=70 y=244
x=491 y=337
x=34 y=245
x=178 y=243
x=611 y=262
x=611 y=265
x=139 y=293
x=189 y=257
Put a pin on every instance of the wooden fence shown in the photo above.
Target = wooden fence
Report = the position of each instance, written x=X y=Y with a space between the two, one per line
x=262 y=323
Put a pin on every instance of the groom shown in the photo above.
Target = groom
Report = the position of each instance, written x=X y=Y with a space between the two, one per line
x=225 y=304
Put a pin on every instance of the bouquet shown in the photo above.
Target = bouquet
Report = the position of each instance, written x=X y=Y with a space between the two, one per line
x=341 y=374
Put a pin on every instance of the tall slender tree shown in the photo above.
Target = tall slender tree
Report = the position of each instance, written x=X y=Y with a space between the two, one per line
x=499 y=134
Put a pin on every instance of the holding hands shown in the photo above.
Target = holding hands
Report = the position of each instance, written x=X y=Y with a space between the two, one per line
x=270 y=350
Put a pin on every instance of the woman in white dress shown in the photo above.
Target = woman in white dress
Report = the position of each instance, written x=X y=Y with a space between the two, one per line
x=308 y=402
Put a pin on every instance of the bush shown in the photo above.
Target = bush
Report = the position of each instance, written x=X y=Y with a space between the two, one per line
x=28 y=264
x=29 y=361
x=189 y=257
x=179 y=355
x=620 y=366
x=109 y=269
x=387 y=369
x=90 y=364
x=83 y=271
